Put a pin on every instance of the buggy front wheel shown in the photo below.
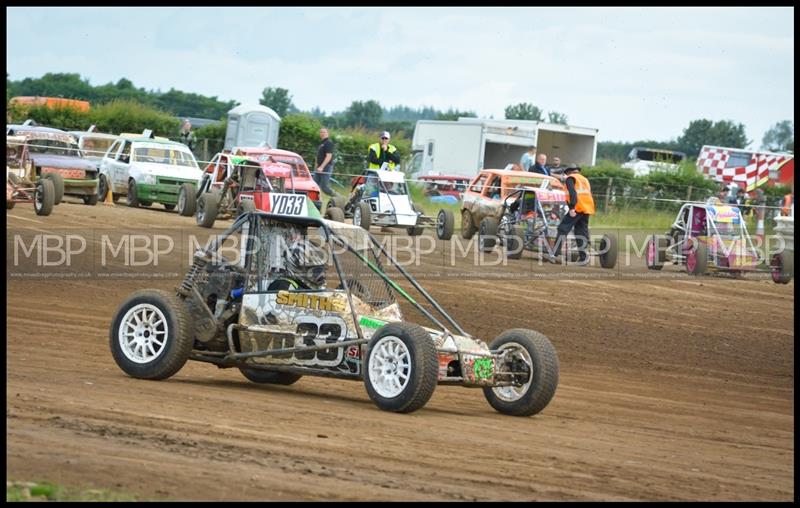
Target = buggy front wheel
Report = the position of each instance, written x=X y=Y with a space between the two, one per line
x=782 y=267
x=534 y=362
x=151 y=335
x=445 y=224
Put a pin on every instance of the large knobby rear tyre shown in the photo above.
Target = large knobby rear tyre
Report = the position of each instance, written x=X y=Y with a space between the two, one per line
x=269 y=377
x=187 y=200
x=445 y=224
x=151 y=336
x=207 y=210
x=401 y=367
x=487 y=235
x=533 y=351
x=468 y=228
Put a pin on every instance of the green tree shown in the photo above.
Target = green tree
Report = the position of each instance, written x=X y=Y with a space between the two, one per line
x=365 y=114
x=524 y=111
x=779 y=137
x=556 y=117
x=705 y=132
x=278 y=99
x=453 y=114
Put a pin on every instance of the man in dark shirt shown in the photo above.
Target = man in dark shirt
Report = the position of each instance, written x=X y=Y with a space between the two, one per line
x=322 y=174
x=541 y=165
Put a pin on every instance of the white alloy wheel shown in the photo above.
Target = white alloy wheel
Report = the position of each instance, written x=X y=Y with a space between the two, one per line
x=389 y=367
x=514 y=393
x=143 y=333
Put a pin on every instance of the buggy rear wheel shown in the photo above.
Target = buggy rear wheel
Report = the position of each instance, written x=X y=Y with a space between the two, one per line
x=206 y=210
x=533 y=355
x=401 y=367
x=655 y=255
x=445 y=224
x=271 y=377
x=44 y=199
x=58 y=186
x=334 y=213
x=608 y=251
x=416 y=230
x=697 y=259
x=336 y=202
x=782 y=267
x=514 y=243
x=487 y=236
x=362 y=215
x=90 y=200
x=151 y=335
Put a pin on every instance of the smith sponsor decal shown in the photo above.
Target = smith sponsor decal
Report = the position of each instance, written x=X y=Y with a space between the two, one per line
x=313 y=302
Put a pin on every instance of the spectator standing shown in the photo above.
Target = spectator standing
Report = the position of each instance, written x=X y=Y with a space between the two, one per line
x=383 y=152
x=581 y=207
x=527 y=159
x=541 y=165
x=556 y=168
x=324 y=170
x=187 y=136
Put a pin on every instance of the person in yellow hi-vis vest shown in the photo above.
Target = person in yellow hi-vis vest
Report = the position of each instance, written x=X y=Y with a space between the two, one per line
x=383 y=152
x=581 y=207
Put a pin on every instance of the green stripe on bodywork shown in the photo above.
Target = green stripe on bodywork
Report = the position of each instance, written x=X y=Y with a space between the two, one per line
x=311 y=209
x=369 y=322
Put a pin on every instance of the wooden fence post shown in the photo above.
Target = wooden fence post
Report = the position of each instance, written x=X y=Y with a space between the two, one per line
x=689 y=194
x=608 y=193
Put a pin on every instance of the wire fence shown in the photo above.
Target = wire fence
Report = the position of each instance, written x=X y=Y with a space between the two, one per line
x=611 y=194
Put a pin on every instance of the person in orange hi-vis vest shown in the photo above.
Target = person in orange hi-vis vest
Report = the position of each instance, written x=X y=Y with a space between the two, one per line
x=581 y=207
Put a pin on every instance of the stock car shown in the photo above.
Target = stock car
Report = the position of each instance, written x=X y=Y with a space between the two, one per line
x=347 y=323
x=44 y=152
x=147 y=170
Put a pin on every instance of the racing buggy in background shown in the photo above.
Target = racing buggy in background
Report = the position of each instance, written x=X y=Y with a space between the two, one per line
x=709 y=237
x=231 y=189
x=20 y=188
x=302 y=295
x=380 y=197
x=529 y=220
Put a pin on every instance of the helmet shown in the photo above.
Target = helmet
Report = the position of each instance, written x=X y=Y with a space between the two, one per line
x=305 y=262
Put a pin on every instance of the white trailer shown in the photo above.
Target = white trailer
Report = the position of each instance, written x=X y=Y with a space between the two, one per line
x=468 y=145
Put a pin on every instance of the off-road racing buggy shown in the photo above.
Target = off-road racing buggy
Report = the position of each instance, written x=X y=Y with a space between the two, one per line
x=380 y=197
x=20 y=188
x=711 y=237
x=242 y=186
x=529 y=220
x=307 y=296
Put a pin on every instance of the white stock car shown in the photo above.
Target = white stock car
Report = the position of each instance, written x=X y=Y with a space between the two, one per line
x=147 y=170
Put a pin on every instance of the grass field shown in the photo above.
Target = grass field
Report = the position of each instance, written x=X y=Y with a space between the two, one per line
x=46 y=491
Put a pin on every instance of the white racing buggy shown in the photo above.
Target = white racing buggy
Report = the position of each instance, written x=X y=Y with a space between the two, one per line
x=529 y=221
x=380 y=197
x=308 y=296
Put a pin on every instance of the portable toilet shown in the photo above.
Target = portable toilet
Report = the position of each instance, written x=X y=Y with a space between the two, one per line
x=252 y=125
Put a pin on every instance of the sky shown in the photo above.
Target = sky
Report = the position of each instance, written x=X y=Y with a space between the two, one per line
x=633 y=73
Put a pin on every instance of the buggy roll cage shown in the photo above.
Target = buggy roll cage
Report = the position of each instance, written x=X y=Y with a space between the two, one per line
x=250 y=219
x=682 y=224
x=540 y=213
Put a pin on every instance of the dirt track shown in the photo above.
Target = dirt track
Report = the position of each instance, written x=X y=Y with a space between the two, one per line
x=671 y=388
